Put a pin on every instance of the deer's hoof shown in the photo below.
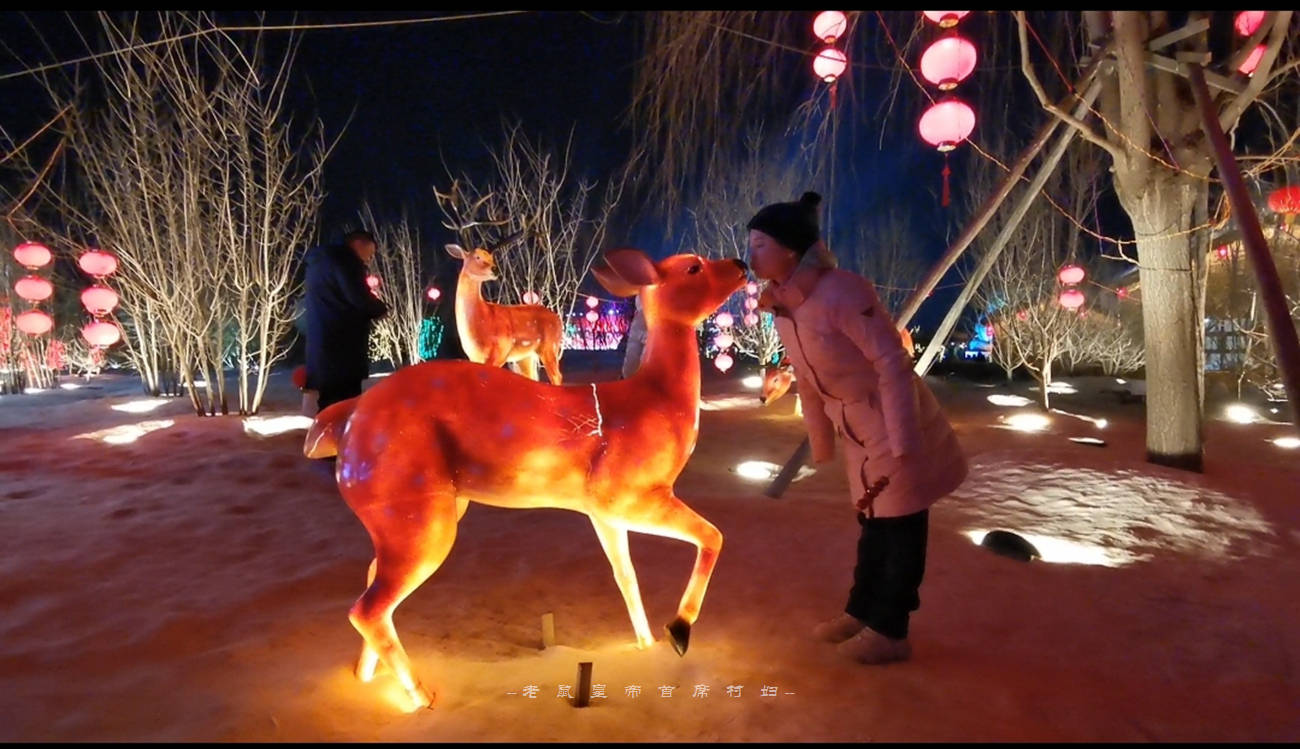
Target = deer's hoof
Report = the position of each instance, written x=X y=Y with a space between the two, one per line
x=680 y=633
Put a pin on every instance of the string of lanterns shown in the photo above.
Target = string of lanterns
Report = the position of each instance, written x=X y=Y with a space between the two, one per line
x=1071 y=276
x=1247 y=23
x=830 y=62
x=33 y=289
x=98 y=299
x=948 y=61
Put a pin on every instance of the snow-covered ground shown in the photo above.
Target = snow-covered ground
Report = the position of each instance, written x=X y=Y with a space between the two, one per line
x=169 y=577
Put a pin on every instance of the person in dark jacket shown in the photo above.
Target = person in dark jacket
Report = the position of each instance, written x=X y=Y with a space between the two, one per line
x=338 y=314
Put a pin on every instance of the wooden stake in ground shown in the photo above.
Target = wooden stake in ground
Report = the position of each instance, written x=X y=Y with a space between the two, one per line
x=548 y=630
x=583 y=697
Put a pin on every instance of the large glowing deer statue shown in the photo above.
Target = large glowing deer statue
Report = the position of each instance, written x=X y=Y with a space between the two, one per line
x=496 y=334
x=418 y=447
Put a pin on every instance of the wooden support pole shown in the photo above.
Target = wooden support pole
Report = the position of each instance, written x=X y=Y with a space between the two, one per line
x=583 y=697
x=548 y=630
x=1008 y=229
x=1280 y=326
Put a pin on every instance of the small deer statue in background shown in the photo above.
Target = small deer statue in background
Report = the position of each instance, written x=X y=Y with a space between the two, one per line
x=496 y=334
x=417 y=448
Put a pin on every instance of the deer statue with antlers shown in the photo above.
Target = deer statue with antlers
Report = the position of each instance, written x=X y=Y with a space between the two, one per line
x=417 y=448
x=496 y=334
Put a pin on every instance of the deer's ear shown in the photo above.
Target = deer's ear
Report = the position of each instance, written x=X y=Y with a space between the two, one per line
x=633 y=266
x=612 y=283
x=455 y=251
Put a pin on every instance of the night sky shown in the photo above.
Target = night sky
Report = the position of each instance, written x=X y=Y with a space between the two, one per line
x=421 y=94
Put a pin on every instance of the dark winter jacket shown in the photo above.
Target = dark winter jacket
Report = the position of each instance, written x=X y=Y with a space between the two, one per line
x=339 y=309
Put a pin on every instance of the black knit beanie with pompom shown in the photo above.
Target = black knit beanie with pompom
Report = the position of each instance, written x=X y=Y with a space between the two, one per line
x=794 y=225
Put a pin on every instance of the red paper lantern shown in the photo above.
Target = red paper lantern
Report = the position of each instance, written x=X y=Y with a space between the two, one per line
x=373 y=282
x=101 y=333
x=32 y=255
x=592 y=302
x=531 y=297
x=946 y=18
x=751 y=288
x=947 y=123
x=1285 y=200
x=948 y=62
x=751 y=319
x=1223 y=252
x=299 y=376
x=724 y=320
x=1248 y=21
x=723 y=340
x=1122 y=293
x=830 y=64
x=592 y=316
x=1251 y=62
x=99 y=300
x=1071 y=274
x=34 y=288
x=830 y=25
x=433 y=293
x=1072 y=299
x=34 y=322
x=97 y=263
x=723 y=362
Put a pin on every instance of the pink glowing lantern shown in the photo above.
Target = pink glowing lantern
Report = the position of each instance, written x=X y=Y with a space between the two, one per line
x=1022 y=315
x=1223 y=252
x=433 y=294
x=592 y=316
x=1122 y=293
x=830 y=25
x=830 y=64
x=724 y=320
x=531 y=297
x=723 y=362
x=1072 y=299
x=723 y=340
x=751 y=303
x=97 y=263
x=32 y=255
x=1071 y=275
x=34 y=288
x=946 y=18
x=102 y=334
x=1248 y=21
x=34 y=322
x=948 y=62
x=751 y=319
x=1252 y=61
x=751 y=288
x=373 y=282
x=99 y=300
x=592 y=302
x=947 y=123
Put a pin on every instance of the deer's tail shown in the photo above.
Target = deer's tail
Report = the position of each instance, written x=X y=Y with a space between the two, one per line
x=326 y=431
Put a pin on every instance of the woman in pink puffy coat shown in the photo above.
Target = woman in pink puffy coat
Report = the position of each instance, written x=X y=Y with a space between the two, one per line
x=856 y=380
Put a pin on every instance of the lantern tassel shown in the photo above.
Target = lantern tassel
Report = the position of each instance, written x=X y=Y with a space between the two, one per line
x=946 y=193
x=833 y=85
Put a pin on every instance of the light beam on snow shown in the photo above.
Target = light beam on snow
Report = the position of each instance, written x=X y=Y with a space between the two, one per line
x=1061 y=387
x=1027 y=421
x=127 y=433
x=753 y=382
x=1014 y=401
x=1099 y=423
x=1241 y=413
x=728 y=402
x=1287 y=443
x=69 y=386
x=266 y=426
x=762 y=470
x=140 y=407
x=33 y=391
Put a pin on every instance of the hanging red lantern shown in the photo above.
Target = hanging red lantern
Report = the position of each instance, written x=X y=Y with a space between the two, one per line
x=433 y=294
x=724 y=320
x=101 y=333
x=1252 y=61
x=34 y=322
x=751 y=319
x=99 y=300
x=723 y=362
x=1248 y=21
x=946 y=18
x=723 y=340
x=751 y=288
x=1285 y=200
x=34 y=288
x=830 y=64
x=830 y=25
x=97 y=263
x=1223 y=252
x=1072 y=299
x=373 y=282
x=947 y=123
x=592 y=316
x=948 y=62
x=32 y=255
x=1122 y=292
x=531 y=297
x=592 y=302
x=299 y=376
x=1071 y=274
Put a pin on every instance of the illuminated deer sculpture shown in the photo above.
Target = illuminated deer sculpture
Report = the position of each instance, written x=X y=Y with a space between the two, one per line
x=418 y=447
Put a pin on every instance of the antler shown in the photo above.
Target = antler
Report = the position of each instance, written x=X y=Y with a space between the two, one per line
x=510 y=240
x=453 y=199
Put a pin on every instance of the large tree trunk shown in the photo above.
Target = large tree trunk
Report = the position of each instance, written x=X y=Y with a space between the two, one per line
x=1162 y=210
